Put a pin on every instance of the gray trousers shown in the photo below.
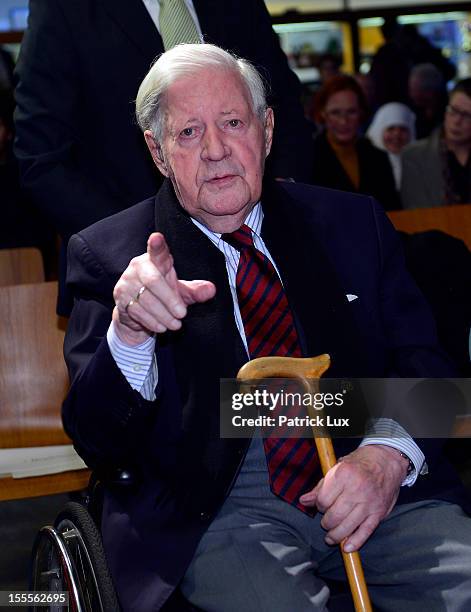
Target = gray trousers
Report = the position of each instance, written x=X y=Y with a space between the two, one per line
x=261 y=554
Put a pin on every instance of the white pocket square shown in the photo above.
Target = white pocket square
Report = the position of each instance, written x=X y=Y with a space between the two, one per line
x=351 y=297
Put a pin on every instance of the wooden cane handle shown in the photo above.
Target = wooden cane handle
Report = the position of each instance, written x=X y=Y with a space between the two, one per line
x=284 y=367
x=305 y=369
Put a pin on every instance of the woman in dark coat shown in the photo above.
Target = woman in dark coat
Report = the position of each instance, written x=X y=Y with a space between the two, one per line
x=342 y=158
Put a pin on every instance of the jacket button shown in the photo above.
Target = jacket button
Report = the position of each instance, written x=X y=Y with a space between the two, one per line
x=204 y=516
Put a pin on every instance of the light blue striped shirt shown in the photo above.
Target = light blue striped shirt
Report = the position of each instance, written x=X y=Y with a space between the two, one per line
x=139 y=366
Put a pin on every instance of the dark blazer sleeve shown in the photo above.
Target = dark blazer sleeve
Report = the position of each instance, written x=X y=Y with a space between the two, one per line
x=99 y=392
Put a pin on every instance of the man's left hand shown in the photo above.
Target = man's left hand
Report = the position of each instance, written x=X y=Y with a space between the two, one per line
x=357 y=493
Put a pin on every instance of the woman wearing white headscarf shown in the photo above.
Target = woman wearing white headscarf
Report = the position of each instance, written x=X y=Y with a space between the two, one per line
x=392 y=128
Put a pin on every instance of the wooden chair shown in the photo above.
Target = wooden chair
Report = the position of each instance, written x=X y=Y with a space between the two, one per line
x=33 y=383
x=453 y=220
x=20 y=266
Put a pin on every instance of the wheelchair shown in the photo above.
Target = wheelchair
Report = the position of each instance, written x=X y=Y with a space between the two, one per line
x=69 y=556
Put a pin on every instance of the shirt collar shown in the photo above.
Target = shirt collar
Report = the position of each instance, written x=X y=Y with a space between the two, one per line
x=254 y=221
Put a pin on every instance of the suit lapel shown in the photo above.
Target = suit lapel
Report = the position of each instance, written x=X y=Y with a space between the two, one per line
x=211 y=20
x=322 y=311
x=136 y=23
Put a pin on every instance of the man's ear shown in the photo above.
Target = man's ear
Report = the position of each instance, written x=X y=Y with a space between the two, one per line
x=156 y=152
x=269 y=124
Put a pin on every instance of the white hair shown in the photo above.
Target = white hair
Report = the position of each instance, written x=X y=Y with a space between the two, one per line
x=183 y=61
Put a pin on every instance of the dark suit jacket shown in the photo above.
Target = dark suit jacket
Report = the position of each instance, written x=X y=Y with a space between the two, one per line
x=376 y=176
x=81 y=63
x=185 y=469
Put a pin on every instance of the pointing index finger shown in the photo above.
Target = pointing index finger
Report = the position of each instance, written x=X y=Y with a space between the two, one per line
x=157 y=247
x=159 y=253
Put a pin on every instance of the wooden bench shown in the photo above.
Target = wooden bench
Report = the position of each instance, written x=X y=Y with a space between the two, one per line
x=22 y=265
x=33 y=384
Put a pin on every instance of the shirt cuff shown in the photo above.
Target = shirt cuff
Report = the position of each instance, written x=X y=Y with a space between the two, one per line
x=136 y=363
x=389 y=433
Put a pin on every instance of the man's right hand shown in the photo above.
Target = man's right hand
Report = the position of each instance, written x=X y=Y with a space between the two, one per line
x=162 y=304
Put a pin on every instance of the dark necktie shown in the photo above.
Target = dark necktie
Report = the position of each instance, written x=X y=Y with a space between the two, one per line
x=293 y=464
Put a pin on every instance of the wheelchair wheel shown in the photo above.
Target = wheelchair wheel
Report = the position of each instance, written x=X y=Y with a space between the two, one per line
x=70 y=557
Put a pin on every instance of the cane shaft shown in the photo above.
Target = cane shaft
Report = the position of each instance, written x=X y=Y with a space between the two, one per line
x=352 y=562
x=356 y=580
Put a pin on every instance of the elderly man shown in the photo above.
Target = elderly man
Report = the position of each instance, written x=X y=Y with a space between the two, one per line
x=182 y=289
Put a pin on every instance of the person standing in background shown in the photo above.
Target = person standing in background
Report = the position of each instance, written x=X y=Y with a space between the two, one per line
x=390 y=66
x=81 y=155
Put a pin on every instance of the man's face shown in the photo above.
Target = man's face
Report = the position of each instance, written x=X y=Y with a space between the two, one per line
x=213 y=148
x=458 y=120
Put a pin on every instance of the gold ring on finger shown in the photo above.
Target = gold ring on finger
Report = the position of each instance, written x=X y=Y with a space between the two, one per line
x=139 y=293
x=130 y=303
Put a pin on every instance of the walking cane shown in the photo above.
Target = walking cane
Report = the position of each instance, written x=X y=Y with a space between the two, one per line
x=308 y=371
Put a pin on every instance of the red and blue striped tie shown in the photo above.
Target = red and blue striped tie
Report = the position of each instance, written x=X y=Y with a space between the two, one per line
x=293 y=464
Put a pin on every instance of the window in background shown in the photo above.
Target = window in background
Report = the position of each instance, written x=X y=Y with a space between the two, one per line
x=306 y=43
x=18 y=17
x=13 y=15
